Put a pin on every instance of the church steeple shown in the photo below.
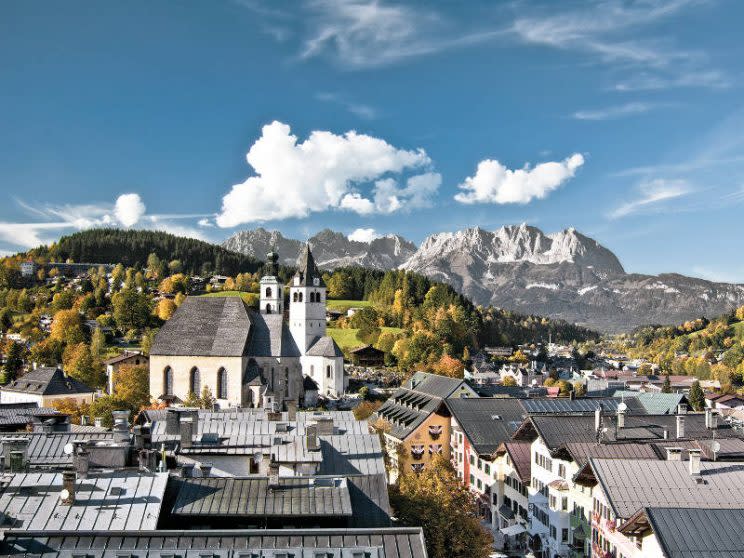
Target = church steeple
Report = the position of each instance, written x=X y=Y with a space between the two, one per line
x=307 y=274
x=307 y=306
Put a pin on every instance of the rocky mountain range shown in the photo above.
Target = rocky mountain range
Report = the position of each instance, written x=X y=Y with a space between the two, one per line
x=331 y=249
x=563 y=275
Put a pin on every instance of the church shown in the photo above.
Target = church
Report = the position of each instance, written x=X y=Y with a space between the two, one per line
x=251 y=358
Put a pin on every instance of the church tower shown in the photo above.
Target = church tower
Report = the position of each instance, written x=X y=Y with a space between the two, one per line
x=307 y=303
x=272 y=291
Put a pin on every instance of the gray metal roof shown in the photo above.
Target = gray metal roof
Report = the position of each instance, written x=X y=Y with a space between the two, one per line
x=13 y=415
x=434 y=384
x=558 y=430
x=48 y=381
x=582 y=452
x=487 y=422
x=254 y=497
x=406 y=542
x=654 y=403
x=630 y=484
x=47 y=450
x=205 y=326
x=122 y=500
x=406 y=410
x=270 y=336
x=576 y=406
x=698 y=533
x=325 y=347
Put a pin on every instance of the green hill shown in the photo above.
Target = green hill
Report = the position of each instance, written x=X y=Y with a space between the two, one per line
x=132 y=247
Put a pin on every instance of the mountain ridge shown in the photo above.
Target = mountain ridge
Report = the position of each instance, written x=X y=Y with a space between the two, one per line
x=565 y=275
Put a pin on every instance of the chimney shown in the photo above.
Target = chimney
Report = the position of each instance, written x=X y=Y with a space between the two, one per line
x=143 y=459
x=711 y=419
x=186 y=431
x=265 y=464
x=47 y=426
x=311 y=434
x=325 y=426
x=171 y=422
x=694 y=461
x=187 y=470
x=83 y=420
x=206 y=469
x=273 y=476
x=674 y=454
x=2 y=464
x=598 y=418
x=98 y=421
x=291 y=409
x=680 y=426
x=82 y=461
x=681 y=409
x=68 y=488
x=121 y=426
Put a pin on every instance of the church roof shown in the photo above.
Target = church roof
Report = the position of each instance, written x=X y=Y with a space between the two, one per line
x=326 y=347
x=205 y=326
x=307 y=270
x=270 y=336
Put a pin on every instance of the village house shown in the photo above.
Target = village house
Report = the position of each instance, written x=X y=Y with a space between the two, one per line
x=126 y=359
x=418 y=422
x=43 y=386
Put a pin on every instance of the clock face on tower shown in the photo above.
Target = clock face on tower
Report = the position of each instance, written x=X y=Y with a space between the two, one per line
x=316 y=281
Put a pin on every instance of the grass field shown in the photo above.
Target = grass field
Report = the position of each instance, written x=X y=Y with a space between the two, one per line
x=248 y=298
x=344 y=305
x=347 y=339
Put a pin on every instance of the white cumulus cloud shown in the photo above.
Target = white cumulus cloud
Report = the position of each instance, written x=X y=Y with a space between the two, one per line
x=129 y=209
x=364 y=235
x=326 y=171
x=495 y=183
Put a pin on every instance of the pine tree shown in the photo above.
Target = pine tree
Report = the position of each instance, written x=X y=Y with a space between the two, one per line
x=696 y=396
x=667 y=386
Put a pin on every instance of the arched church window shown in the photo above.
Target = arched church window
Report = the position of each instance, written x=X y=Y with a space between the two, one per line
x=168 y=380
x=328 y=371
x=222 y=384
x=294 y=297
x=300 y=297
x=268 y=292
x=286 y=382
x=195 y=381
x=268 y=308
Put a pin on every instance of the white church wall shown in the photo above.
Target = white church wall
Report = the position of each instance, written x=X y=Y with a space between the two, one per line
x=208 y=367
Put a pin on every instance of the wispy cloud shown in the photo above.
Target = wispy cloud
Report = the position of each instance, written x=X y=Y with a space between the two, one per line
x=363 y=34
x=361 y=110
x=617 y=111
x=651 y=196
x=127 y=211
x=644 y=81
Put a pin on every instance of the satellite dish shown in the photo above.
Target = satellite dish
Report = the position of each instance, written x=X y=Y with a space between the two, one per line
x=69 y=448
x=715 y=446
x=65 y=494
x=622 y=407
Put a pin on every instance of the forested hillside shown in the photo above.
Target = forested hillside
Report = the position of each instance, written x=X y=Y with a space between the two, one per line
x=435 y=321
x=132 y=248
x=708 y=349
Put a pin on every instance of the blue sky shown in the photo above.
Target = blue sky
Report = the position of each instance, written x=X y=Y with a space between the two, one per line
x=622 y=119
